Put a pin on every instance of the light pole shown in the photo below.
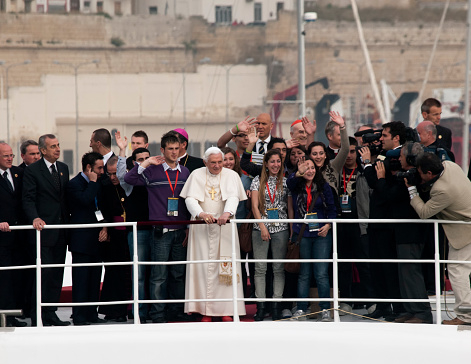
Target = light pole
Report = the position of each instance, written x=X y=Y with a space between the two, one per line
x=75 y=67
x=7 y=68
x=228 y=69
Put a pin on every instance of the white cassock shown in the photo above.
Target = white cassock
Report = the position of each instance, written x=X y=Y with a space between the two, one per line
x=215 y=194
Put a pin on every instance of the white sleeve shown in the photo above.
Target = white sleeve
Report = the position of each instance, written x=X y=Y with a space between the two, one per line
x=120 y=172
x=231 y=205
x=193 y=206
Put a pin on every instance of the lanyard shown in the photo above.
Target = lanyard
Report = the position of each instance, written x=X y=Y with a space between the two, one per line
x=345 y=183
x=170 y=183
x=272 y=200
x=309 y=196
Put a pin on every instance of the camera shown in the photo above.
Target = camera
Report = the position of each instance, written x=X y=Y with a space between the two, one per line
x=411 y=175
x=369 y=137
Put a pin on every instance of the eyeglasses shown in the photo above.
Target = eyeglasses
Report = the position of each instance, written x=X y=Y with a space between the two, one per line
x=110 y=174
x=8 y=156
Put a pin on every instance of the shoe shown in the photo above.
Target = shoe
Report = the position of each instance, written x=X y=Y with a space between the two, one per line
x=13 y=322
x=286 y=313
x=98 y=321
x=53 y=320
x=378 y=313
x=159 y=320
x=345 y=308
x=371 y=309
x=324 y=316
x=416 y=320
x=81 y=323
x=393 y=316
x=206 y=319
x=121 y=319
x=276 y=311
x=403 y=318
x=455 y=321
x=227 y=319
x=180 y=317
x=260 y=315
x=299 y=315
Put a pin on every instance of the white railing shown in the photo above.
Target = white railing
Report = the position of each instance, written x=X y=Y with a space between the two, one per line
x=335 y=260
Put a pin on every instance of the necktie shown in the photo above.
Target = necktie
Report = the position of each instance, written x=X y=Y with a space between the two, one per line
x=55 y=177
x=5 y=177
x=261 y=149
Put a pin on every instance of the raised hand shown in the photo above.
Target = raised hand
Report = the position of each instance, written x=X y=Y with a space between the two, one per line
x=156 y=160
x=336 y=118
x=309 y=128
x=122 y=144
x=247 y=123
x=253 y=135
x=291 y=143
x=302 y=165
x=380 y=170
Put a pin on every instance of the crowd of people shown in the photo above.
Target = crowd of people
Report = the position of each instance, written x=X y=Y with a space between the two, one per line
x=184 y=204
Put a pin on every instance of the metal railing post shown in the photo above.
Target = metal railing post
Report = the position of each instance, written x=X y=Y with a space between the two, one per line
x=438 y=290
x=39 y=321
x=135 y=276
x=234 y=272
x=335 y=275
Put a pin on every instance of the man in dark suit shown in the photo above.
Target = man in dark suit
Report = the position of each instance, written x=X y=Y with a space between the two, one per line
x=184 y=159
x=431 y=110
x=44 y=202
x=10 y=215
x=29 y=152
x=83 y=197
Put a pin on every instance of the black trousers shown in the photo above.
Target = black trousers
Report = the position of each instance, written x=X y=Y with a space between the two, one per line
x=117 y=280
x=351 y=245
x=411 y=280
x=51 y=279
x=85 y=287
x=7 y=296
x=384 y=275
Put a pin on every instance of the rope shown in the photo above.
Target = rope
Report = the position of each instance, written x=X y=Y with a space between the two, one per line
x=340 y=310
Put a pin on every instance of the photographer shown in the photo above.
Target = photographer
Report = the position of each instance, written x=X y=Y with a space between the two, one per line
x=450 y=199
x=382 y=244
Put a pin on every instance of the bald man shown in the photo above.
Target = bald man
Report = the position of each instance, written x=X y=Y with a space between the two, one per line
x=427 y=131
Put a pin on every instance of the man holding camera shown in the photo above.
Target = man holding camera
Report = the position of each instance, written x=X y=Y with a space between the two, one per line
x=449 y=204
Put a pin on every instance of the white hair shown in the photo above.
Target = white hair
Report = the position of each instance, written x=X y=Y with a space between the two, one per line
x=210 y=151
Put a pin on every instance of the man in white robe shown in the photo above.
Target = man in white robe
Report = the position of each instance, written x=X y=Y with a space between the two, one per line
x=212 y=194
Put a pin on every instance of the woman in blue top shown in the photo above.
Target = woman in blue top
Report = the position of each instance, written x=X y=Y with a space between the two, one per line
x=316 y=243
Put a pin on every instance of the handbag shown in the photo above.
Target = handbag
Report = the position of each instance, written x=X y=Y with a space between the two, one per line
x=245 y=234
x=293 y=246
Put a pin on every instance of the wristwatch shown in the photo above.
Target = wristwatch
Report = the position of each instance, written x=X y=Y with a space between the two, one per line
x=366 y=161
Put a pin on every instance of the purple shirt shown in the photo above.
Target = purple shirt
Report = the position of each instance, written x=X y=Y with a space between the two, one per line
x=159 y=190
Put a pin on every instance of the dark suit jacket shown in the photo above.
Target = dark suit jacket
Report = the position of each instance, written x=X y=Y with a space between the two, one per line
x=191 y=163
x=41 y=198
x=22 y=165
x=82 y=197
x=444 y=137
x=11 y=210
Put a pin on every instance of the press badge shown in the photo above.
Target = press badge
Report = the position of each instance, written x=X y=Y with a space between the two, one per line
x=172 y=206
x=345 y=203
x=313 y=226
x=99 y=215
x=273 y=214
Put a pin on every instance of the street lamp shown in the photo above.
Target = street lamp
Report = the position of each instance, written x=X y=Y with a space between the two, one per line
x=7 y=68
x=75 y=67
x=228 y=69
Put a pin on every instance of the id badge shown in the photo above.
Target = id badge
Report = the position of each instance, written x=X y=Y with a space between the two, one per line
x=345 y=203
x=99 y=215
x=313 y=226
x=172 y=206
x=273 y=214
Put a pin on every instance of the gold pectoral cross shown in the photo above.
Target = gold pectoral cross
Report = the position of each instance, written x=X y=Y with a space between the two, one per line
x=212 y=192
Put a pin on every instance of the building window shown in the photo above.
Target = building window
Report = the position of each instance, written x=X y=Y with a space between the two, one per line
x=153 y=10
x=223 y=14
x=257 y=7
x=99 y=6
x=86 y=4
x=117 y=8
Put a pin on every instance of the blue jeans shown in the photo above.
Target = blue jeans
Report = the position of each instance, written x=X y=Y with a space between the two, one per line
x=167 y=281
x=144 y=242
x=314 y=248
